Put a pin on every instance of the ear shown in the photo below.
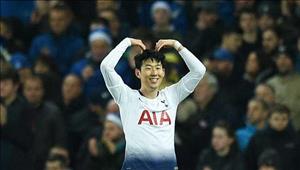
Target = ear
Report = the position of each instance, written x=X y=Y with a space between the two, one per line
x=137 y=73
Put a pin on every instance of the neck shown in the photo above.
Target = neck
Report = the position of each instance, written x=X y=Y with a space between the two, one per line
x=149 y=93
x=223 y=152
x=250 y=37
x=10 y=99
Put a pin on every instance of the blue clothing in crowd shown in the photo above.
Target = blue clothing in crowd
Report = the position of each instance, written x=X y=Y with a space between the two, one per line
x=64 y=49
x=243 y=136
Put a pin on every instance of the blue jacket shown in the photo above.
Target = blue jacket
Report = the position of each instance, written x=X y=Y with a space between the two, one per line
x=243 y=136
x=64 y=49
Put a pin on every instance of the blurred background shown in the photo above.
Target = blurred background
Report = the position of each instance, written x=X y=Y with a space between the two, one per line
x=57 y=114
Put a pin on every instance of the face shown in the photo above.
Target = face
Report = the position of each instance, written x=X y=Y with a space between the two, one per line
x=151 y=74
x=161 y=17
x=53 y=165
x=278 y=121
x=112 y=131
x=220 y=139
x=99 y=49
x=41 y=68
x=252 y=65
x=203 y=92
x=59 y=21
x=7 y=88
x=105 y=4
x=284 y=64
x=114 y=23
x=233 y=41
x=266 y=167
x=224 y=67
x=255 y=112
x=265 y=22
x=71 y=88
x=5 y=31
x=248 y=22
x=207 y=18
x=33 y=91
x=270 y=41
x=265 y=93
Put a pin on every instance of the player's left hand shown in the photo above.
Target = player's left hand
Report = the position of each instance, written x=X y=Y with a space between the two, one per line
x=166 y=43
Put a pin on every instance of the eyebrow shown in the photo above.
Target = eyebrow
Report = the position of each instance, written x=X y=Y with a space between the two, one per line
x=159 y=64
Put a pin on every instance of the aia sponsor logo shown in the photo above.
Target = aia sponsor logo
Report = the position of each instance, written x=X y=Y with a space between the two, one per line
x=154 y=118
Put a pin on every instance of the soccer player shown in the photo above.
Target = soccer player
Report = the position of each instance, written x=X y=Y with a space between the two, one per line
x=148 y=114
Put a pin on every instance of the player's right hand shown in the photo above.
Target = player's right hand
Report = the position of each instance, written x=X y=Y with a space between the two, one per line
x=138 y=43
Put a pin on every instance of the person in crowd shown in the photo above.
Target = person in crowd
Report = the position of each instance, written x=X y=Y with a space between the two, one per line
x=46 y=122
x=61 y=43
x=266 y=93
x=162 y=21
x=107 y=150
x=269 y=160
x=56 y=162
x=15 y=130
x=88 y=68
x=279 y=135
x=223 y=153
x=207 y=31
x=267 y=15
x=257 y=114
x=286 y=82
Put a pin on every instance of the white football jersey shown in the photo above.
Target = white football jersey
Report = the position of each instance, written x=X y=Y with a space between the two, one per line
x=149 y=124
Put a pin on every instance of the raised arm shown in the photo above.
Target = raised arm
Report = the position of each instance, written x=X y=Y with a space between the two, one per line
x=197 y=70
x=112 y=80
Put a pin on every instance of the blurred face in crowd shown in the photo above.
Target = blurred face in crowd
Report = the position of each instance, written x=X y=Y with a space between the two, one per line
x=203 y=92
x=279 y=121
x=54 y=165
x=5 y=31
x=151 y=74
x=220 y=139
x=161 y=17
x=248 y=22
x=112 y=131
x=33 y=90
x=105 y=4
x=252 y=64
x=266 y=167
x=71 y=88
x=256 y=112
x=111 y=16
x=99 y=49
x=206 y=19
x=270 y=41
x=60 y=151
x=59 y=21
x=284 y=64
x=232 y=41
x=223 y=67
x=8 y=88
x=41 y=68
x=265 y=22
x=265 y=93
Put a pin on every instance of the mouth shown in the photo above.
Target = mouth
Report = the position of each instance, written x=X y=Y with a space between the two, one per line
x=153 y=80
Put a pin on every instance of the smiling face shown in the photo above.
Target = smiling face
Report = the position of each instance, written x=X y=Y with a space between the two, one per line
x=151 y=74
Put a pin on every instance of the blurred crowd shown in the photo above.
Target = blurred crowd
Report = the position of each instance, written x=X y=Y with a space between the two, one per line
x=57 y=114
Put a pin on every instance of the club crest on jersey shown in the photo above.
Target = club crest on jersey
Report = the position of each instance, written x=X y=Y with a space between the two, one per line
x=154 y=118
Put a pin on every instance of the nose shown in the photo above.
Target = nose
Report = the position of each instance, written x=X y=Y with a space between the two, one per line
x=154 y=72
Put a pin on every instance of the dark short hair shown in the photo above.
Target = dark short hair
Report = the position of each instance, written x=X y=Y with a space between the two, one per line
x=10 y=74
x=280 y=109
x=226 y=126
x=149 y=54
x=263 y=103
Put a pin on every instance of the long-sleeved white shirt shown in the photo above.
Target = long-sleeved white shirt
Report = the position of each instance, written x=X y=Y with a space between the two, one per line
x=149 y=124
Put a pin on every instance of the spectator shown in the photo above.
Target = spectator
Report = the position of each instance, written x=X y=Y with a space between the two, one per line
x=45 y=120
x=77 y=118
x=56 y=162
x=269 y=160
x=257 y=114
x=266 y=93
x=267 y=15
x=195 y=119
x=278 y=136
x=207 y=31
x=60 y=43
x=88 y=68
x=106 y=152
x=15 y=129
x=286 y=83
x=223 y=153
x=162 y=16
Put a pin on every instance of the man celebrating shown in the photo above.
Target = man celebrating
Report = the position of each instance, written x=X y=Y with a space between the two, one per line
x=148 y=114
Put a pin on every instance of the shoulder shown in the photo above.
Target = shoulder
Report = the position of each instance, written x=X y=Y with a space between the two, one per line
x=51 y=108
